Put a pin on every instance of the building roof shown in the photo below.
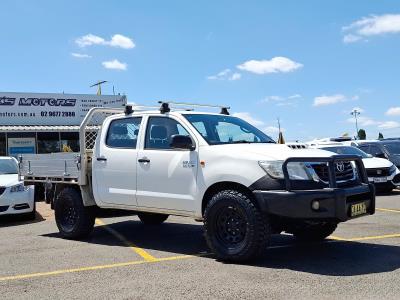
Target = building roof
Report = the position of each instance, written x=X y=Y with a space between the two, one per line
x=38 y=128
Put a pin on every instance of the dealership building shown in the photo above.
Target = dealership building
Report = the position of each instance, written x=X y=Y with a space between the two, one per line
x=44 y=122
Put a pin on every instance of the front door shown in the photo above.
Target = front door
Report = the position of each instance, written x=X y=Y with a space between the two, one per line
x=114 y=163
x=166 y=177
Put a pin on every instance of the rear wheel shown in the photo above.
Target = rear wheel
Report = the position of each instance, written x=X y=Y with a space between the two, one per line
x=235 y=230
x=152 y=218
x=314 y=232
x=74 y=220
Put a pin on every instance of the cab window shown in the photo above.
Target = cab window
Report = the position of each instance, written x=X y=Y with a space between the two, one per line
x=123 y=133
x=160 y=131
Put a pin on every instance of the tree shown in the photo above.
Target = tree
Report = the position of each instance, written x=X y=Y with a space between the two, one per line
x=362 y=135
x=380 y=136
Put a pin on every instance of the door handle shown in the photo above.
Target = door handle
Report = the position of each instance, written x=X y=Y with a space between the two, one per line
x=101 y=158
x=144 y=160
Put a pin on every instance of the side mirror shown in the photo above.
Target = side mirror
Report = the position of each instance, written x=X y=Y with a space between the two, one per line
x=182 y=142
x=369 y=156
x=380 y=155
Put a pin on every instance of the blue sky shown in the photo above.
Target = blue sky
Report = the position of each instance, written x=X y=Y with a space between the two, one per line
x=308 y=63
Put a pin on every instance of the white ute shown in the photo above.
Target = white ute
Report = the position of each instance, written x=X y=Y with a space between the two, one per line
x=211 y=167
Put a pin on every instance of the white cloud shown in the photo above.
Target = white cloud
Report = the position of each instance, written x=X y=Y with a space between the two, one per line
x=351 y=38
x=291 y=100
x=372 y=26
x=117 y=40
x=80 y=55
x=328 y=100
x=89 y=40
x=114 y=64
x=363 y=121
x=235 y=76
x=248 y=118
x=389 y=125
x=275 y=65
x=226 y=74
x=270 y=130
x=393 y=111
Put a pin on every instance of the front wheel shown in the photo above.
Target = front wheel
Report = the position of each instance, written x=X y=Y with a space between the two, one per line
x=235 y=230
x=74 y=220
x=314 y=232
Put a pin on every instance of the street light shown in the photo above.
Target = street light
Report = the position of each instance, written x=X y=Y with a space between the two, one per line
x=355 y=112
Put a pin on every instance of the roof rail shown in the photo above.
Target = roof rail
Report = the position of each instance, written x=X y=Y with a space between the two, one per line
x=165 y=106
x=130 y=108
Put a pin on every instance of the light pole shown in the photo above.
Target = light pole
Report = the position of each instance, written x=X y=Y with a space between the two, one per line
x=356 y=113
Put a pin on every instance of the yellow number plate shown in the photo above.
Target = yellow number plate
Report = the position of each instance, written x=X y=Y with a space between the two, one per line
x=358 y=209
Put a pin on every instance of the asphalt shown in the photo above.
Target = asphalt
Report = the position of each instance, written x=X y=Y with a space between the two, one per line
x=124 y=259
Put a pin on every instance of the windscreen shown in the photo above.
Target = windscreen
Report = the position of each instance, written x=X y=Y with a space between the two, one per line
x=219 y=129
x=393 y=148
x=8 y=166
x=346 y=150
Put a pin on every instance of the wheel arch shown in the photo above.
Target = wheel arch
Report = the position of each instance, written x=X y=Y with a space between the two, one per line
x=224 y=185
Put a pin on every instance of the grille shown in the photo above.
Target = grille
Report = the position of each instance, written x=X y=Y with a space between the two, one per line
x=3 y=208
x=378 y=172
x=341 y=175
x=2 y=189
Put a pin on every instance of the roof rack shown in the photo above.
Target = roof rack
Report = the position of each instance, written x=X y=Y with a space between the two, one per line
x=130 y=108
x=165 y=106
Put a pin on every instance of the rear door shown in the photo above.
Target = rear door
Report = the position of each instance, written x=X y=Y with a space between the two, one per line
x=166 y=176
x=114 y=162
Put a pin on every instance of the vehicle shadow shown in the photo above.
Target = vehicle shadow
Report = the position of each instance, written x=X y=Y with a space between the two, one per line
x=394 y=193
x=331 y=258
x=15 y=220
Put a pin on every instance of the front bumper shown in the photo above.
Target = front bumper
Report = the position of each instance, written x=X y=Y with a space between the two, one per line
x=17 y=202
x=389 y=181
x=335 y=203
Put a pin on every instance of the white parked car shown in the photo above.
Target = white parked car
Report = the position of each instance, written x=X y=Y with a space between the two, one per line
x=211 y=167
x=15 y=198
x=382 y=172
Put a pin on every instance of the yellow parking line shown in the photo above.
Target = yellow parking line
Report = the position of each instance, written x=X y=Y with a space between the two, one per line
x=377 y=237
x=365 y=238
x=92 y=268
x=387 y=209
x=143 y=253
x=336 y=238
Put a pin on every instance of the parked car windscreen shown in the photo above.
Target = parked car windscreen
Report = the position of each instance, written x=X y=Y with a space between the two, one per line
x=8 y=166
x=346 y=150
x=220 y=129
x=392 y=148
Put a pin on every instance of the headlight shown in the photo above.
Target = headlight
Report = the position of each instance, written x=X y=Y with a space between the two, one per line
x=296 y=170
x=273 y=168
x=392 y=169
x=17 y=188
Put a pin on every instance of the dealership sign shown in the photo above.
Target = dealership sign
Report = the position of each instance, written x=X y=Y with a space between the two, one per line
x=51 y=109
x=21 y=146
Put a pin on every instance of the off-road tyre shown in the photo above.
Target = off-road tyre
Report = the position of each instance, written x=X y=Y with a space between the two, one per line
x=152 y=218
x=314 y=232
x=234 y=228
x=74 y=220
